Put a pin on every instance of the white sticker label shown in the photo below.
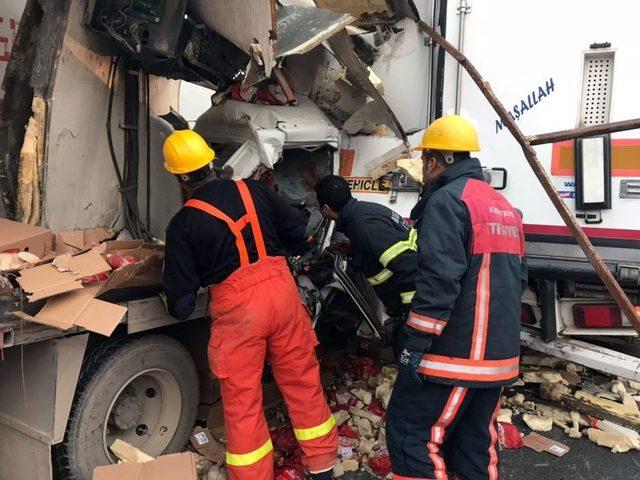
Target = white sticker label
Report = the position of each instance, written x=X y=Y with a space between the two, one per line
x=556 y=449
x=346 y=452
x=201 y=438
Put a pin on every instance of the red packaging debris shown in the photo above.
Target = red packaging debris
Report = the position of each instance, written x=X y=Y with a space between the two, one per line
x=364 y=367
x=101 y=277
x=284 y=439
x=376 y=408
x=380 y=465
x=118 y=259
x=288 y=473
x=346 y=431
x=509 y=436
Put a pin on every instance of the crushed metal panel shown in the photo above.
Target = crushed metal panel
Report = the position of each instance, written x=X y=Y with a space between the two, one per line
x=242 y=23
x=237 y=122
x=302 y=28
x=355 y=7
x=358 y=75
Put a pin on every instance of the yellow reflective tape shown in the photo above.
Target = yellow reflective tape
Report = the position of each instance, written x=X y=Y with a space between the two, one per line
x=304 y=434
x=244 y=459
x=381 y=277
x=399 y=247
x=407 y=297
x=413 y=239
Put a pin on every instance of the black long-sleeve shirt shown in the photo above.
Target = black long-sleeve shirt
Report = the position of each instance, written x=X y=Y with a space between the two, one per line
x=372 y=230
x=201 y=250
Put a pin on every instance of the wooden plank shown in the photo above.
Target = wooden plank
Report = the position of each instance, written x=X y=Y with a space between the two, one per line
x=584 y=132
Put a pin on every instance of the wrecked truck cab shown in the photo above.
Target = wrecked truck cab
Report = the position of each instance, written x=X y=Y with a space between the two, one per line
x=261 y=133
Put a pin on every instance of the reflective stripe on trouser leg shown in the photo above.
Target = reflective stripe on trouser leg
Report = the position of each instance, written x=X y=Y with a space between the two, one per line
x=438 y=431
x=249 y=458
x=305 y=434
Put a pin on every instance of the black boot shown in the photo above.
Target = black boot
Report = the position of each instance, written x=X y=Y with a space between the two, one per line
x=328 y=475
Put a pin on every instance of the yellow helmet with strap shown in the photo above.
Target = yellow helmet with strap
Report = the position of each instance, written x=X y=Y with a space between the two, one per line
x=185 y=151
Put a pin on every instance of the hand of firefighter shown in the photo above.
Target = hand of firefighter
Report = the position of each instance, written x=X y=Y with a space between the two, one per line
x=163 y=299
x=408 y=364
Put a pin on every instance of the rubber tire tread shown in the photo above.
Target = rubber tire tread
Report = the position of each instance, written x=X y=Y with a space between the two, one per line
x=97 y=358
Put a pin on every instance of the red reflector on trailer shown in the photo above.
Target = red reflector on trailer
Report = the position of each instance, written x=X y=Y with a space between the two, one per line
x=597 y=316
x=526 y=315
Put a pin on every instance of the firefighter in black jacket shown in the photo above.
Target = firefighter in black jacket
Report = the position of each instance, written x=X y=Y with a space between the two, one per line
x=383 y=244
x=464 y=325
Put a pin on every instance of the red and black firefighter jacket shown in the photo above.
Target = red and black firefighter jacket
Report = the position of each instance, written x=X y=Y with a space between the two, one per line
x=466 y=310
x=383 y=248
x=201 y=251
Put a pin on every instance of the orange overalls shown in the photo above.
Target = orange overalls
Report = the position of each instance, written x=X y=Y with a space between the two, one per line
x=256 y=314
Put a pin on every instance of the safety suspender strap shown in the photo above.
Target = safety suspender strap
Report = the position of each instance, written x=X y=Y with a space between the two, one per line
x=235 y=227
x=251 y=217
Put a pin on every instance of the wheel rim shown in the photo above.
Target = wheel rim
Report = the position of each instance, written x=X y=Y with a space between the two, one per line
x=145 y=413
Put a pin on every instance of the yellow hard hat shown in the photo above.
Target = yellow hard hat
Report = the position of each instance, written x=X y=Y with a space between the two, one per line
x=185 y=151
x=450 y=133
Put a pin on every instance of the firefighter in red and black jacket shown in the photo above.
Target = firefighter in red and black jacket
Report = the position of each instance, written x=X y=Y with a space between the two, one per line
x=463 y=330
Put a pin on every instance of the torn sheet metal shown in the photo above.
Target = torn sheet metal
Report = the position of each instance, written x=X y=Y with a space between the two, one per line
x=242 y=23
x=358 y=76
x=406 y=56
x=355 y=7
x=302 y=28
x=265 y=130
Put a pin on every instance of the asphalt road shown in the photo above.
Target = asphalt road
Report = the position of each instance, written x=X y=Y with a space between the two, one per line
x=585 y=461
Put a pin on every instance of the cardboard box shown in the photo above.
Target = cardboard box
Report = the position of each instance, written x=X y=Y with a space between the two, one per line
x=148 y=271
x=80 y=240
x=46 y=280
x=180 y=466
x=18 y=237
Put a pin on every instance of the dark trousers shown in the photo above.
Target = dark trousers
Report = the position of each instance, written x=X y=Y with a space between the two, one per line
x=434 y=429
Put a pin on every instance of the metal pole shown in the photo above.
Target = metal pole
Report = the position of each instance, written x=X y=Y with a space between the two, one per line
x=569 y=219
x=584 y=132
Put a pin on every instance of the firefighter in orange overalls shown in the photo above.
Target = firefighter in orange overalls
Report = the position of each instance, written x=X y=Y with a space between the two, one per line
x=230 y=236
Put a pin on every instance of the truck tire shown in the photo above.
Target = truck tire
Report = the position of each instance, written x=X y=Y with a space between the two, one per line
x=143 y=391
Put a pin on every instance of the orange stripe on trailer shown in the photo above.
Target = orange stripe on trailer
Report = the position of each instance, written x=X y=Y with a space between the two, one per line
x=625 y=158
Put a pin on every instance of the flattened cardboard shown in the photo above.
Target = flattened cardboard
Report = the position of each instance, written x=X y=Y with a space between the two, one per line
x=18 y=237
x=46 y=281
x=80 y=309
x=79 y=240
x=540 y=443
x=179 y=466
x=207 y=446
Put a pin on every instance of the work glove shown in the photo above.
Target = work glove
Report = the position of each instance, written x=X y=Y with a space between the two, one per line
x=408 y=363
x=163 y=299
